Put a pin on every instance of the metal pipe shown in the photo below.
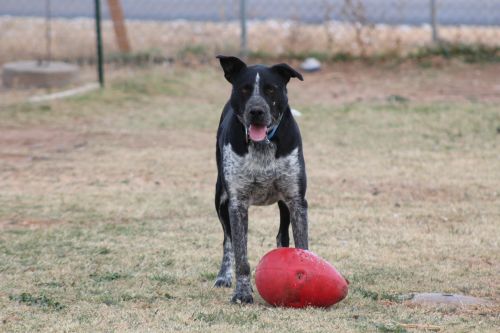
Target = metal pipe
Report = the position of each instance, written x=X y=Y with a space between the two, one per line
x=100 y=60
x=48 y=31
x=435 y=37
x=243 y=21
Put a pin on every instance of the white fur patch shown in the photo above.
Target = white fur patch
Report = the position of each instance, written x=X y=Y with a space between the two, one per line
x=256 y=88
x=258 y=178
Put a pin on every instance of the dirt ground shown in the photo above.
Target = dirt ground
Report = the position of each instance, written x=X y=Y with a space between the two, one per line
x=431 y=81
x=443 y=81
x=106 y=202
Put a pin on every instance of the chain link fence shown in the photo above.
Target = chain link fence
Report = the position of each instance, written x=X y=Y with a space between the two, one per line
x=165 y=30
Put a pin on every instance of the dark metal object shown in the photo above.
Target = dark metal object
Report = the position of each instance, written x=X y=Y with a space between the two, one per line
x=48 y=32
x=243 y=21
x=435 y=37
x=100 y=60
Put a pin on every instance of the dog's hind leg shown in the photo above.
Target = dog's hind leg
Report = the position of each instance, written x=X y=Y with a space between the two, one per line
x=283 y=238
x=224 y=278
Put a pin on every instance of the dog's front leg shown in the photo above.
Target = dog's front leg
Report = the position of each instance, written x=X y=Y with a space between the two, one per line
x=298 y=219
x=238 y=216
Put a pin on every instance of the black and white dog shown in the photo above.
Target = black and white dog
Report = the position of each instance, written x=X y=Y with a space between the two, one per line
x=259 y=162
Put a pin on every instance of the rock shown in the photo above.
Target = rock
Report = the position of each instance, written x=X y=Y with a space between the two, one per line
x=442 y=299
x=32 y=74
x=311 y=65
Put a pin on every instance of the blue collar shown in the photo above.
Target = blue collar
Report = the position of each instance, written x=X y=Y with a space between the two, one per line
x=272 y=130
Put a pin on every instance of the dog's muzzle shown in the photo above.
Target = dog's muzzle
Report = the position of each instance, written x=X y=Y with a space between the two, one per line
x=262 y=133
x=257 y=118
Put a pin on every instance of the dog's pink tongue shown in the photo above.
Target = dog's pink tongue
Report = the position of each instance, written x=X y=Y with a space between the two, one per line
x=257 y=132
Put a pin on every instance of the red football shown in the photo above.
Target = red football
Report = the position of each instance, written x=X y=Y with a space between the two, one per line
x=297 y=278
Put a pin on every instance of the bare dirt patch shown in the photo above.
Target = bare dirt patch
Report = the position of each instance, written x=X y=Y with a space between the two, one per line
x=450 y=81
x=28 y=224
x=40 y=138
x=36 y=143
x=347 y=82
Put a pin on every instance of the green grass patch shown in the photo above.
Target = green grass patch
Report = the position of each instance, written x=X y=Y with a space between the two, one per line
x=243 y=318
x=376 y=296
x=467 y=52
x=40 y=300
x=208 y=276
x=392 y=328
x=163 y=278
x=109 y=276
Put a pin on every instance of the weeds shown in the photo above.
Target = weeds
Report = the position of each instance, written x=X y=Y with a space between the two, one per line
x=208 y=276
x=163 y=278
x=41 y=301
x=376 y=296
x=237 y=318
x=107 y=277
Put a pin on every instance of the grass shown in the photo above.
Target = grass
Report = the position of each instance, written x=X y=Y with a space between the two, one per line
x=468 y=53
x=42 y=301
x=107 y=220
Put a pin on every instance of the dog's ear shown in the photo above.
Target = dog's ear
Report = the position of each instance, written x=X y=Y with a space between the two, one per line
x=231 y=66
x=287 y=72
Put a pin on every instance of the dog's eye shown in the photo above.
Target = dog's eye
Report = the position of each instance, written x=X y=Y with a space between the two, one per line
x=246 y=90
x=269 y=90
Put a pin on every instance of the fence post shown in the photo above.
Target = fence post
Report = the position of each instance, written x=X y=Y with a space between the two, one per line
x=116 y=11
x=435 y=36
x=243 y=21
x=48 y=31
x=100 y=69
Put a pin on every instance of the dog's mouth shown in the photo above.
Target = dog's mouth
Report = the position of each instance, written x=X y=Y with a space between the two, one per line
x=257 y=132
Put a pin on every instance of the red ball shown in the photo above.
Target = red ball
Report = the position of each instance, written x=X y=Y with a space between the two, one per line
x=297 y=278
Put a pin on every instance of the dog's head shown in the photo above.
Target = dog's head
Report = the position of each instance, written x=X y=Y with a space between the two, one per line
x=259 y=95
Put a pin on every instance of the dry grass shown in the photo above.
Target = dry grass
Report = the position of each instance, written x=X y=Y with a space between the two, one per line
x=74 y=39
x=107 y=221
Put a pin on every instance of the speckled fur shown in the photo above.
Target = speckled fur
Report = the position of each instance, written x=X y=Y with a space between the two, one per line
x=259 y=178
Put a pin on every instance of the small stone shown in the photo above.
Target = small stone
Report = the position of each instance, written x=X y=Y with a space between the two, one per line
x=311 y=65
x=443 y=299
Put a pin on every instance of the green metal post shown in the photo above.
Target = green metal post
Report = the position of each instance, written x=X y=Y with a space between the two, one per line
x=100 y=60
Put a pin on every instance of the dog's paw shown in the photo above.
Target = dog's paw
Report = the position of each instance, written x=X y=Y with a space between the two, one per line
x=221 y=282
x=243 y=291
x=240 y=298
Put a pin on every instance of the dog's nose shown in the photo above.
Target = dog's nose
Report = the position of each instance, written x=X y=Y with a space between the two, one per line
x=256 y=112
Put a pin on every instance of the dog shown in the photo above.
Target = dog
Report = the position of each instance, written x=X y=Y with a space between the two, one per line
x=259 y=162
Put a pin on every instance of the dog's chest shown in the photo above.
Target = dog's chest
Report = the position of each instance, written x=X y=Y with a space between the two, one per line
x=259 y=176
